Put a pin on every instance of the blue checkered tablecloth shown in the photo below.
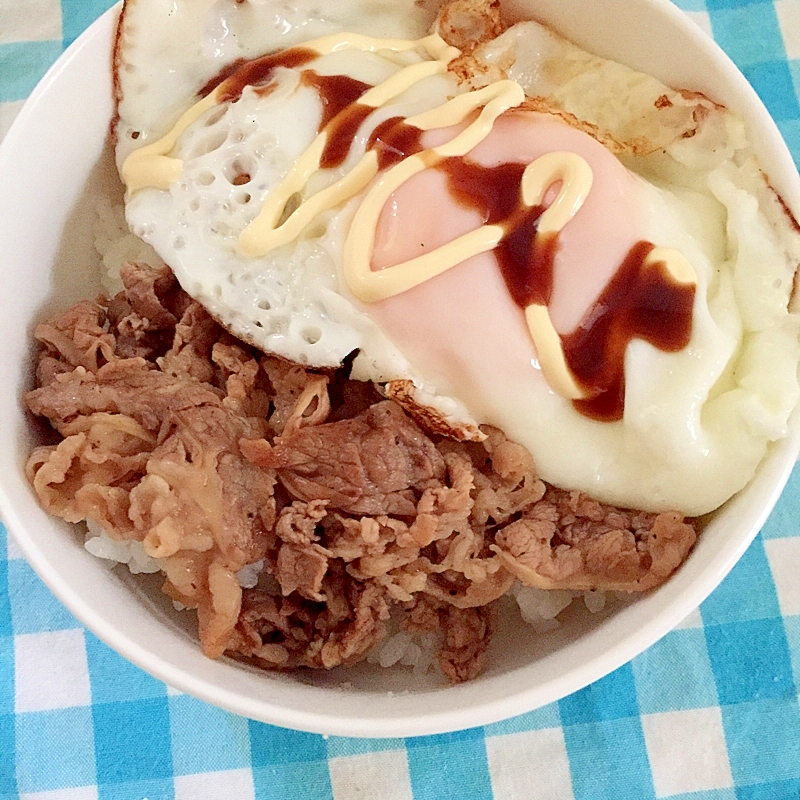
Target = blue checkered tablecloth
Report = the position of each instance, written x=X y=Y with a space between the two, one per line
x=709 y=713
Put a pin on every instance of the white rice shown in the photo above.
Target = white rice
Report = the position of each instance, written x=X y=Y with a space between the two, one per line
x=594 y=601
x=400 y=648
x=116 y=244
x=540 y=607
x=130 y=553
x=248 y=574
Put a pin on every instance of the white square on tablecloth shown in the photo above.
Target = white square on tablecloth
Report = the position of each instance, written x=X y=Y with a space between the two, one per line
x=687 y=751
x=788 y=12
x=80 y=793
x=784 y=556
x=701 y=19
x=693 y=620
x=12 y=548
x=532 y=764
x=31 y=21
x=233 y=784
x=383 y=774
x=51 y=671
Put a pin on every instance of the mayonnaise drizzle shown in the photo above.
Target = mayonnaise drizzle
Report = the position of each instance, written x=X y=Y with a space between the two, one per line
x=151 y=166
x=265 y=232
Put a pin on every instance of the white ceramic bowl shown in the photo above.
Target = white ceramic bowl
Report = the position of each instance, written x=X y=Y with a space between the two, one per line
x=54 y=163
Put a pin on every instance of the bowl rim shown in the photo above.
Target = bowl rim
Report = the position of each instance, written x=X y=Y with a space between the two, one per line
x=311 y=714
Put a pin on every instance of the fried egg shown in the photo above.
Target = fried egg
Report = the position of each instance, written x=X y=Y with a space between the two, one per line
x=694 y=419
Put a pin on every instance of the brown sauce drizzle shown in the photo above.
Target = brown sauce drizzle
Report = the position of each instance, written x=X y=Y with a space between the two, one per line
x=341 y=133
x=495 y=193
x=640 y=301
x=226 y=72
x=342 y=114
x=258 y=72
x=527 y=268
x=337 y=92
x=393 y=140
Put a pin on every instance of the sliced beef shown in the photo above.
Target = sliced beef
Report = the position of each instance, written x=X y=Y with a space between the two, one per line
x=190 y=355
x=151 y=293
x=569 y=541
x=370 y=464
x=128 y=386
x=301 y=563
x=78 y=337
x=143 y=317
x=300 y=397
x=293 y=631
x=466 y=634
